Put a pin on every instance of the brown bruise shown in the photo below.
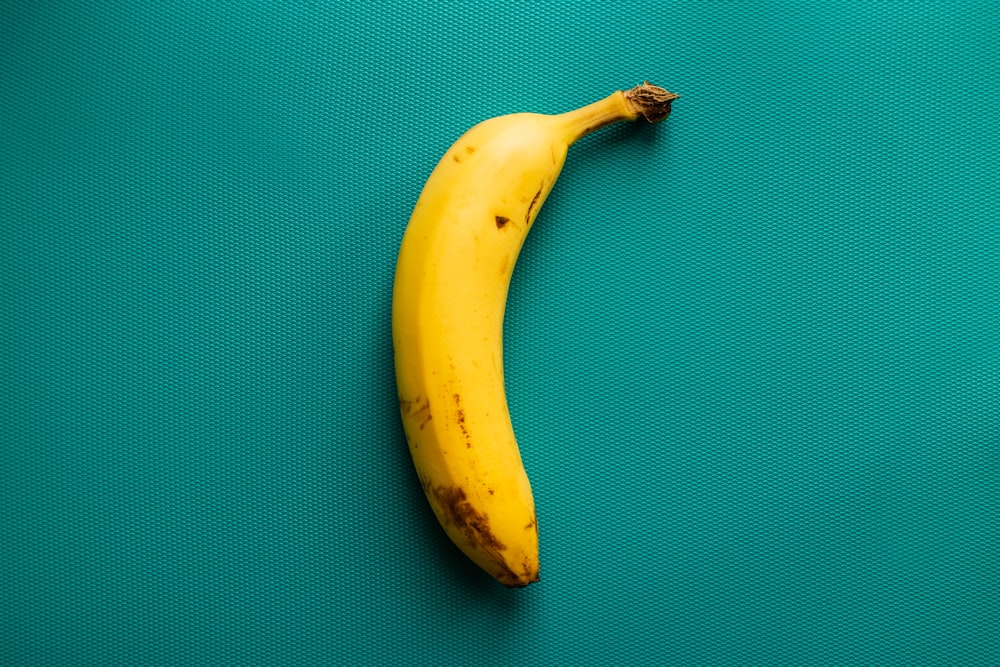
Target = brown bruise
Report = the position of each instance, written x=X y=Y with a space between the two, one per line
x=419 y=408
x=459 y=158
x=531 y=206
x=457 y=511
x=460 y=419
x=504 y=265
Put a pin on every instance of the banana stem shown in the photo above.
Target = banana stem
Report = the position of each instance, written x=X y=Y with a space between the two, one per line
x=646 y=100
x=651 y=102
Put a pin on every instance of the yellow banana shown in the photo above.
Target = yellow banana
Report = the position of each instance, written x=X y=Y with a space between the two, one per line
x=449 y=296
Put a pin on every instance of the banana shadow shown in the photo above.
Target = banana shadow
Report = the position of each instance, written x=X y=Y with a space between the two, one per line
x=642 y=144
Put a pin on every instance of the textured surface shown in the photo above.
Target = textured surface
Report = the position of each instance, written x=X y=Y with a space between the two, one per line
x=753 y=353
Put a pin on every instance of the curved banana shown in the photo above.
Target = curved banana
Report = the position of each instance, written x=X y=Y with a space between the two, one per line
x=449 y=296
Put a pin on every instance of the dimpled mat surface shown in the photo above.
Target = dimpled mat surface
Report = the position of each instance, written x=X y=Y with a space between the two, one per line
x=753 y=353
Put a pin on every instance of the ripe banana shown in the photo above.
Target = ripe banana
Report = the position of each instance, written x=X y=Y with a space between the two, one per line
x=449 y=296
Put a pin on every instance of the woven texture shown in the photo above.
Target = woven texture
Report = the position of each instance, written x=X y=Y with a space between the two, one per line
x=753 y=353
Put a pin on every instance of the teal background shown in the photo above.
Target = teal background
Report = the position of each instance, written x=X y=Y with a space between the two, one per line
x=753 y=353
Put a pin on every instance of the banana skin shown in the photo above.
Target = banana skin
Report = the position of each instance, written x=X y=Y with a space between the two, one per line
x=449 y=295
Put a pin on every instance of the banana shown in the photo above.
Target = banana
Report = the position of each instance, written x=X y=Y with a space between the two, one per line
x=449 y=294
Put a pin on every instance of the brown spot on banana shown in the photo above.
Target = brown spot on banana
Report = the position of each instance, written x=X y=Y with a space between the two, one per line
x=459 y=512
x=458 y=157
x=460 y=419
x=531 y=206
x=501 y=221
x=419 y=409
x=424 y=414
x=504 y=265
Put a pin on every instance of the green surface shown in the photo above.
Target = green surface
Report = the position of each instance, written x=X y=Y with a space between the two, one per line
x=753 y=354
